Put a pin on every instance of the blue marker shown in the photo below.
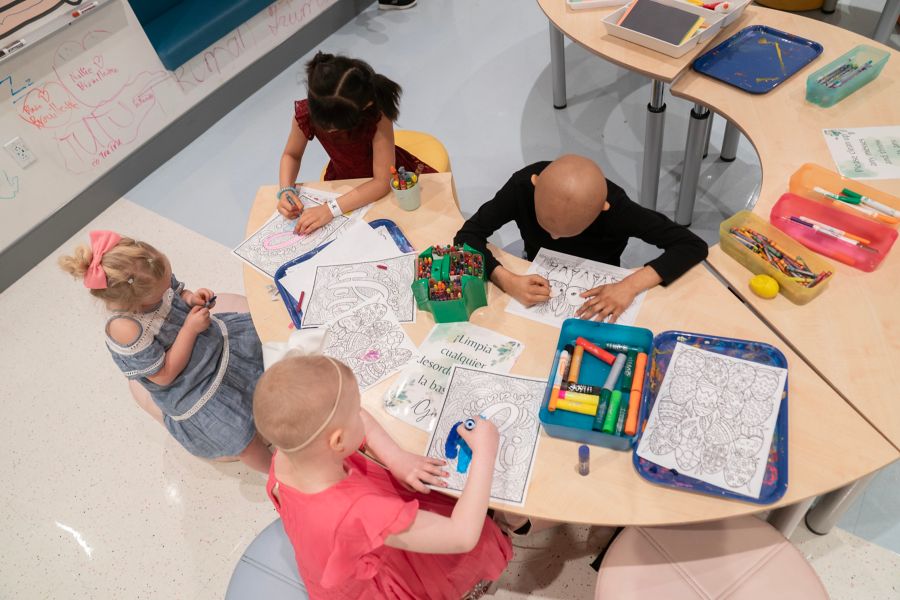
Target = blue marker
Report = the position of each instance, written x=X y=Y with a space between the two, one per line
x=455 y=446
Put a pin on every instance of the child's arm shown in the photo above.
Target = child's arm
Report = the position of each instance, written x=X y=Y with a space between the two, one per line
x=288 y=170
x=435 y=534
x=413 y=470
x=365 y=193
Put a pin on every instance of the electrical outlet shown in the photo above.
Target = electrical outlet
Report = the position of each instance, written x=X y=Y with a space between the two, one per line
x=20 y=152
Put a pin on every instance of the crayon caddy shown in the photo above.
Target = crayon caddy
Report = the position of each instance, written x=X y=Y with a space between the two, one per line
x=450 y=282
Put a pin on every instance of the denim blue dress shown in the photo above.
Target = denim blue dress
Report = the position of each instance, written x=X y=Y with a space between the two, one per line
x=209 y=406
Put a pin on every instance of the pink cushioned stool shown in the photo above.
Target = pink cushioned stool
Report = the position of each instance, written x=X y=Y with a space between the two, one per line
x=739 y=559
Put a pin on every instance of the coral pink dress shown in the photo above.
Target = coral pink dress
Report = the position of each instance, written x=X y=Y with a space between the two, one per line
x=351 y=151
x=338 y=537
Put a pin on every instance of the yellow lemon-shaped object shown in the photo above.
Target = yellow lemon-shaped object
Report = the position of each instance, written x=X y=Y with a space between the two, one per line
x=764 y=286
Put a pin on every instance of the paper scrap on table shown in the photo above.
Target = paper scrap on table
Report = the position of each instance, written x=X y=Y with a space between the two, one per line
x=714 y=419
x=275 y=243
x=417 y=395
x=370 y=341
x=338 y=288
x=865 y=152
x=569 y=276
x=512 y=403
x=358 y=242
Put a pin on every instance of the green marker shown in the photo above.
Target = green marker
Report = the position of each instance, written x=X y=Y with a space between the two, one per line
x=612 y=415
x=607 y=392
x=625 y=388
x=617 y=347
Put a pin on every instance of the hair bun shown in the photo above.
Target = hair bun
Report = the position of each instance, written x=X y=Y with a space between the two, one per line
x=77 y=264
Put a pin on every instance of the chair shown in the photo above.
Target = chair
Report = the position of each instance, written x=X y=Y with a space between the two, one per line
x=740 y=559
x=267 y=569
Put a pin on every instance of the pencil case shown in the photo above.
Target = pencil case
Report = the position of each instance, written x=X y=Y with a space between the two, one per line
x=790 y=289
x=828 y=86
x=880 y=237
x=810 y=176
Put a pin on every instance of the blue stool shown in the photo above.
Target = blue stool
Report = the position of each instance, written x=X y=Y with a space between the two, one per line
x=267 y=569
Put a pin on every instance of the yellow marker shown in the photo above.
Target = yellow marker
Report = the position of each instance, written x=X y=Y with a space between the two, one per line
x=576 y=407
x=589 y=399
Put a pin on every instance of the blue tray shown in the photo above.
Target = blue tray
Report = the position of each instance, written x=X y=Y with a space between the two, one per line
x=291 y=303
x=776 y=478
x=749 y=59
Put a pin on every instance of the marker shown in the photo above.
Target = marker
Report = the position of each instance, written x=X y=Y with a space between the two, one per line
x=589 y=399
x=616 y=347
x=869 y=212
x=575 y=407
x=382 y=267
x=469 y=424
x=829 y=232
x=562 y=369
x=575 y=368
x=85 y=9
x=628 y=371
x=584 y=460
x=606 y=392
x=596 y=350
x=14 y=47
x=210 y=303
x=837 y=231
x=623 y=412
x=833 y=196
x=637 y=386
x=609 y=423
x=872 y=203
x=300 y=302
x=580 y=388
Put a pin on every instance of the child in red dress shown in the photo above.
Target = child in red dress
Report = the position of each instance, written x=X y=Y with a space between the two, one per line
x=358 y=529
x=351 y=109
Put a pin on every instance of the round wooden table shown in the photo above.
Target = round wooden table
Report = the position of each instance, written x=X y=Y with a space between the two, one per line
x=830 y=445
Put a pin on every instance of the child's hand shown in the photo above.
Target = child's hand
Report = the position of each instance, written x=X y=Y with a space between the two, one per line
x=197 y=320
x=528 y=289
x=416 y=472
x=312 y=219
x=484 y=439
x=606 y=301
x=288 y=210
x=202 y=296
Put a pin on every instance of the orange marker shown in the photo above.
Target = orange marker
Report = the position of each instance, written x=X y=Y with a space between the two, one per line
x=595 y=350
x=637 y=386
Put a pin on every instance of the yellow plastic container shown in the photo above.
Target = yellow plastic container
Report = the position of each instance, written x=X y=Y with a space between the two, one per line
x=790 y=289
x=792 y=5
x=810 y=176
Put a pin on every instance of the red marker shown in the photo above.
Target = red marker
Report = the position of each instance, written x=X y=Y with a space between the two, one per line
x=596 y=350
x=300 y=302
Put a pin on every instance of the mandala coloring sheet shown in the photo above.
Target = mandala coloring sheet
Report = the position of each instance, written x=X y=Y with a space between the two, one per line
x=338 y=288
x=714 y=419
x=512 y=404
x=569 y=276
x=370 y=341
x=274 y=243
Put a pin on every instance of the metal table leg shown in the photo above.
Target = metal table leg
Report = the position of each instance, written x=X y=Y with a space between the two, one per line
x=653 y=140
x=558 y=66
x=709 y=124
x=829 y=6
x=887 y=21
x=786 y=519
x=690 y=174
x=730 y=142
x=832 y=506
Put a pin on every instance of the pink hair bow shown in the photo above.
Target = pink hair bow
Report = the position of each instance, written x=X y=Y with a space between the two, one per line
x=101 y=243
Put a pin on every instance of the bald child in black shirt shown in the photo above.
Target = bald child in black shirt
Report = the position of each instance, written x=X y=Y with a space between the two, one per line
x=569 y=206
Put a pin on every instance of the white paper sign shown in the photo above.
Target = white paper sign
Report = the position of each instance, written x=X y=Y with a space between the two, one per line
x=865 y=152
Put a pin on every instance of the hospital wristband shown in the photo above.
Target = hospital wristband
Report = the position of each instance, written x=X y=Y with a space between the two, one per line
x=334 y=207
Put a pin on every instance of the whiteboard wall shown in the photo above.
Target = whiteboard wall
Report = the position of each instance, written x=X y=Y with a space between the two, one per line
x=90 y=95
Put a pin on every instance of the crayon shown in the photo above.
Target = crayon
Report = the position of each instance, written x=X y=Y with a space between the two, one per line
x=609 y=423
x=588 y=399
x=637 y=386
x=561 y=369
x=596 y=350
x=580 y=388
x=575 y=407
x=575 y=368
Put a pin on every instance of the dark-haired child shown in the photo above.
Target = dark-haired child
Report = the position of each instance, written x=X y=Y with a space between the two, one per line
x=351 y=109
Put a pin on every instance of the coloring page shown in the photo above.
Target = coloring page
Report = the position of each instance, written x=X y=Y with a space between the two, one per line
x=274 y=243
x=512 y=403
x=714 y=418
x=358 y=242
x=569 y=276
x=370 y=341
x=338 y=288
x=417 y=395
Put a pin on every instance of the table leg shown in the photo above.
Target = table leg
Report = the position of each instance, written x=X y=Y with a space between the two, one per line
x=709 y=124
x=730 y=142
x=829 y=6
x=787 y=518
x=690 y=174
x=832 y=506
x=558 y=66
x=887 y=21
x=653 y=140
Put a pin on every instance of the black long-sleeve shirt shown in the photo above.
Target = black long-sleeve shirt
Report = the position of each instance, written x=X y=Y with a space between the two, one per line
x=604 y=240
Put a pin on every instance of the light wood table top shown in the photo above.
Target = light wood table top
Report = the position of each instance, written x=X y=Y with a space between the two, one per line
x=830 y=445
x=586 y=28
x=851 y=333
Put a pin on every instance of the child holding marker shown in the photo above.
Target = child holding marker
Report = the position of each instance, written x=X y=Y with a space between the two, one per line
x=200 y=369
x=360 y=530
x=569 y=206
x=351 y=109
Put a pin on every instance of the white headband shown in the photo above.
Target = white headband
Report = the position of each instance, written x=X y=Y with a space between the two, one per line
x=337 y=400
